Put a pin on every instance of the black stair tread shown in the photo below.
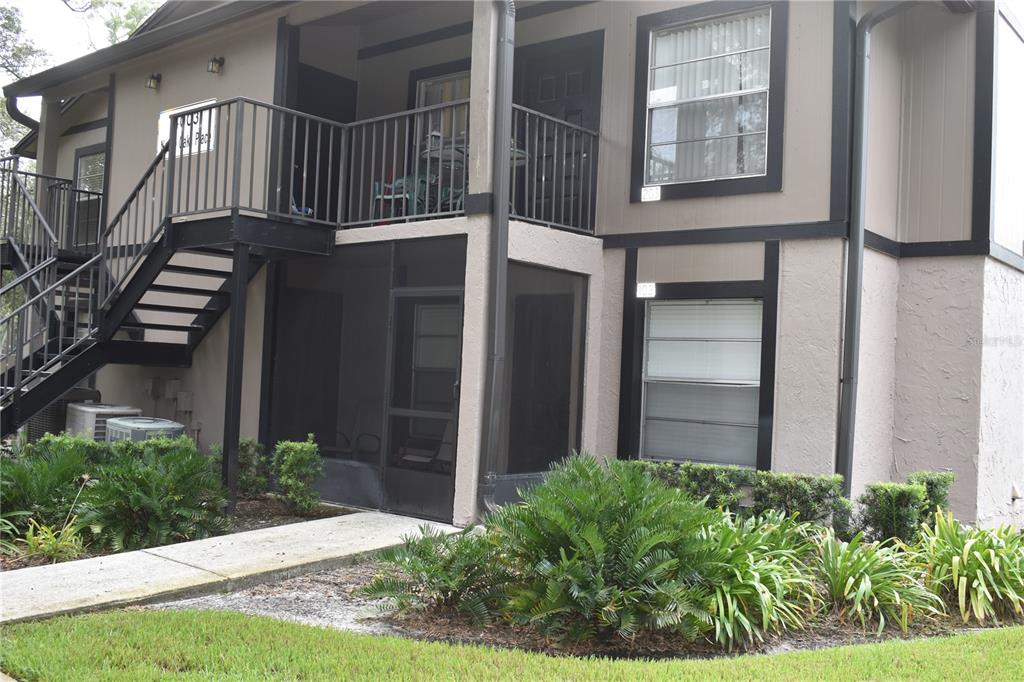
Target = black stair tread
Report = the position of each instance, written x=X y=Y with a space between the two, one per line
x=167 y=308
x=191 y=291
x=210 y=251
x=192 y=270
x=160 y=326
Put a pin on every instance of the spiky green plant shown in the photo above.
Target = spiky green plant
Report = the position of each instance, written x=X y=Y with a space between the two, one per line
x=159 y=493
x=605 y=551
x=978 y=571
x=460 y=572
x=55 y=544
x=758 y=575
x=42 y=484
x=872 y=581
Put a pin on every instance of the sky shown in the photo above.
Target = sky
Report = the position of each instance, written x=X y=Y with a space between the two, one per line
x=64 y=34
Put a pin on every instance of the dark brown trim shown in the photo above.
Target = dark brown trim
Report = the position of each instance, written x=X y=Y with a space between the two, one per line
x=844 y=25
x=724 y=235
x=984 y=75
x=267 y=361
x=85 y=127
x=882 y=244
x=772 y=180
x=481 y=203
x=769 y=327
x=109 y=161
x=630 y=372
x=461 y=29
x=416 y=75
x=927 y=249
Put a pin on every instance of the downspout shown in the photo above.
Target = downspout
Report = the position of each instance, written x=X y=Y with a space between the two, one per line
x=496 y=409
x=21 y=117
x=855 y=248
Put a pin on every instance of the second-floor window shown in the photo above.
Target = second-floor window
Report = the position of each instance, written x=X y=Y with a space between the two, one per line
x=707 y=99
x=89 y=174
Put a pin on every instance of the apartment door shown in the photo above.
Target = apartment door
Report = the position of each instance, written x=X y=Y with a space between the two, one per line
x=562 y=79
x=424 y=350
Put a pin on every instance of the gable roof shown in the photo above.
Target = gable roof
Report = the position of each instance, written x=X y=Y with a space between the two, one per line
x=172 y=22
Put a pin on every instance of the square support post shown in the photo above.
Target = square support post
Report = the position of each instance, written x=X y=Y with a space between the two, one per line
x=236 y=353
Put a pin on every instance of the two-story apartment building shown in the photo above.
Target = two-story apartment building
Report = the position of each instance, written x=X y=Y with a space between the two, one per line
x=457 y=240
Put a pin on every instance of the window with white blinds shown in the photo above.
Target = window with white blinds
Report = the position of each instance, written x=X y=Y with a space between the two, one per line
x=702 y=369
x=707 y=99
x=89 y=173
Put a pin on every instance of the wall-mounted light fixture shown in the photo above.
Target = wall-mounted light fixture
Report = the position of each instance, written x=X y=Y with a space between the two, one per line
x=215 y=65
x=153 y=82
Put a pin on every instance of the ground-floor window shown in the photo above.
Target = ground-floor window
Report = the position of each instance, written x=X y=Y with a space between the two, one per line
x=701 y=380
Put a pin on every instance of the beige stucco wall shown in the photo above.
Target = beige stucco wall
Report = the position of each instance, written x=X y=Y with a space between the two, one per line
x=249 y=48
x=938 y=372
x=701 y=263
x=921 y=118
x=1001 y=448
x=808 y=355
x=805 y=194
x=876 y=382
x=610 y=340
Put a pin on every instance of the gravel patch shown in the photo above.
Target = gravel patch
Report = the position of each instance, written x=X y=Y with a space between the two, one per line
x=324 y=598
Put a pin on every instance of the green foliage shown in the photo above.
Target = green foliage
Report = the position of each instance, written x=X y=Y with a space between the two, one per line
x=297 y=466
x=56 y=545
x=253 y=467
x=757 y=572
x=460 y=572
x=93 y=452
x=813 y=498
x=843 y=519
x=891 y=510
x=154 y=493
x=937 y=485
x=723 y=487
x=9 y=531
x=870 y=581
x=605 y=551
x=42 y=483
x=979 y=571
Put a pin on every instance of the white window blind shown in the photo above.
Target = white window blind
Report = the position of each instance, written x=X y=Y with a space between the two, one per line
x=707 y=99
x=702 y=363
x=90 y=171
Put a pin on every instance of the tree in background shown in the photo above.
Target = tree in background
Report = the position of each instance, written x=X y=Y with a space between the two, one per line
x=18 y=58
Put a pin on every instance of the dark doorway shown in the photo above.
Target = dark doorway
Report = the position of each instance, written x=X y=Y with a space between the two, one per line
x=562 y=78
x=541 y=381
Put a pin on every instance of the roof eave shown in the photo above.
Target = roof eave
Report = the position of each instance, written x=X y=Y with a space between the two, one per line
x=137 y=46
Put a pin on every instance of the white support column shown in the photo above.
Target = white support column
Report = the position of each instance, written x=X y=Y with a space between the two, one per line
x=49 y=137
x=481 y=98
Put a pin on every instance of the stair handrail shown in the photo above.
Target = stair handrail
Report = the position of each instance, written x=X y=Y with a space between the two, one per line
x=32 y=203
x=113 y=275
x=23 y=375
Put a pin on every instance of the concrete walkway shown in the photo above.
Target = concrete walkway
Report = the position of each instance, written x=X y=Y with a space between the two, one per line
x=217 y=564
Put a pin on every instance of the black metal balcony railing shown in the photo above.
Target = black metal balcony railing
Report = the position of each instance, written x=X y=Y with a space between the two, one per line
x=554 y=171
x=266 y=160
x=73 y=214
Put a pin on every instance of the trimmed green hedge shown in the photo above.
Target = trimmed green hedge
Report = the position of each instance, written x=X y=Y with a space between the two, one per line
x=747 y=491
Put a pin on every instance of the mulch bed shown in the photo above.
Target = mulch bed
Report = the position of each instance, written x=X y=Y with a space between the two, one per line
x=265 y=511
x=330 y=598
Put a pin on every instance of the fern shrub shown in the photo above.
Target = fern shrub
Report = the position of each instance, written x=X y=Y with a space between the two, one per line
x=979 y=572
x=154 y=493
x=42 y=484
x=462 y=572
x=297 y=466
x=605 y=551
x=871 y=582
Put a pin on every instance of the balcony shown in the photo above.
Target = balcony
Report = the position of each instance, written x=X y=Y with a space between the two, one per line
x=267 y=161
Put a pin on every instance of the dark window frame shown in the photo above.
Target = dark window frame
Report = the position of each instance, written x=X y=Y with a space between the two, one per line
x=634 y=323
x=771 y=181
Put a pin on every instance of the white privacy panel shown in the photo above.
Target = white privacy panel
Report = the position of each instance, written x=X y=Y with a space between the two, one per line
x=705 y=320
x=703 y=402
x=700 y=442
x=704 y=360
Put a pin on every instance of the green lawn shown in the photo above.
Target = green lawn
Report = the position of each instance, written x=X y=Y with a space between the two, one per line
x=205 y=645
